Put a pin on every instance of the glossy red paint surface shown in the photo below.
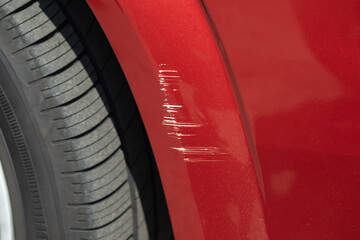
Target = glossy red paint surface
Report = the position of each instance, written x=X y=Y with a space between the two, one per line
x=171 y=61
x=281 y=76
x=297 y=67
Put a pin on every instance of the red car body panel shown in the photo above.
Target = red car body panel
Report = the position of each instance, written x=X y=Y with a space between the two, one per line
x=252 y=111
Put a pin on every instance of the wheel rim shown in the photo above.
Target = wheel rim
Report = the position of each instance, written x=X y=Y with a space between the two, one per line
x=6 y=221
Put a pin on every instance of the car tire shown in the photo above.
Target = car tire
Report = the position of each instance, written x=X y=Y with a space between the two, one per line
x=73 y=133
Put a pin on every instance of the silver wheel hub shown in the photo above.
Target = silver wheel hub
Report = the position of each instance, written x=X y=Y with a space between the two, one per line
x=6 y=221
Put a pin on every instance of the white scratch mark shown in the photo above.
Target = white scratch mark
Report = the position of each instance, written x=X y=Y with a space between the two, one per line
x=168 y=76
x=202 y=160
x=200 y=150
x=167 y=70
x=170 y=80
x=171 y=106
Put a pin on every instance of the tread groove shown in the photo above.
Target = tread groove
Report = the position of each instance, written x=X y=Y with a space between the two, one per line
x=80 y=135
x=89 y=168
x=99 y=200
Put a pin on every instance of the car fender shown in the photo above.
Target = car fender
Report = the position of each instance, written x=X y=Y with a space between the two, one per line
x=173 y=62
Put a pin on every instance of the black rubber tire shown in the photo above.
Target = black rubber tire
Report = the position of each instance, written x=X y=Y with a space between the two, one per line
x=76 y=140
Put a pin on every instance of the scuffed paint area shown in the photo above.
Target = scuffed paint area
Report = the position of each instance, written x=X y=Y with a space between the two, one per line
x=177 y=121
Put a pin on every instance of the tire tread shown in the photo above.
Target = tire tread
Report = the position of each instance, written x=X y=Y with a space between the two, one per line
x=93 y=170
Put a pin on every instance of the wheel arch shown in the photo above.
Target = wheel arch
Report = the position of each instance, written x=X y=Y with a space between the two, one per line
x=175 y=70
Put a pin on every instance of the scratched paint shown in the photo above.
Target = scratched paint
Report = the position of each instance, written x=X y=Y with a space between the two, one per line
x=176 y=121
